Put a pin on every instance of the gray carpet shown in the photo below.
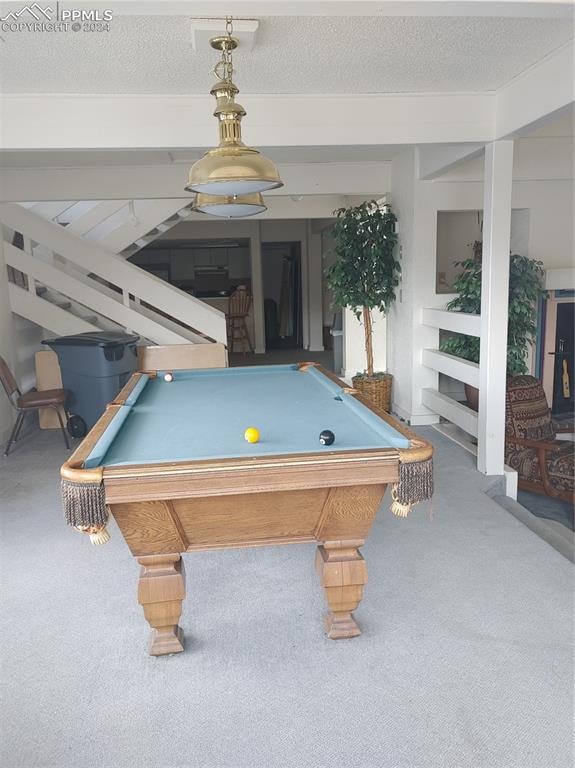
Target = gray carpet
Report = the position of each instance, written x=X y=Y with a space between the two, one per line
x=465 y=660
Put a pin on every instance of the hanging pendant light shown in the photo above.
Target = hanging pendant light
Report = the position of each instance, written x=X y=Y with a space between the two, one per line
x=230 y=169
x=230 y=206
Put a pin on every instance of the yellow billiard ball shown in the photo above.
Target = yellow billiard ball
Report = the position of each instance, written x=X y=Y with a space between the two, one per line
x=252 y=435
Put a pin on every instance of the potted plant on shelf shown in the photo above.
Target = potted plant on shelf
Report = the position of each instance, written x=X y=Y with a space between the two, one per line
x=526 y=279
x=364 y=277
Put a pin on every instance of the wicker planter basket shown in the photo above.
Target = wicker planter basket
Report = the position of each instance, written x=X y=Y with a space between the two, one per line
x=377 y=389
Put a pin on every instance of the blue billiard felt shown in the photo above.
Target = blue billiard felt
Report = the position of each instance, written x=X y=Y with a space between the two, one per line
x=204 y=414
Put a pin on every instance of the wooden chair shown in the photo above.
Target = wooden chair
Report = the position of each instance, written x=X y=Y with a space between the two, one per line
x=543 y=463
x=238 y=310
x=31 y=401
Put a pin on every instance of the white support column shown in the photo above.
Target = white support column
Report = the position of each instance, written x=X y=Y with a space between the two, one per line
x=305 y=304
x=315 y=268
x=257 y=287
x=498 y=179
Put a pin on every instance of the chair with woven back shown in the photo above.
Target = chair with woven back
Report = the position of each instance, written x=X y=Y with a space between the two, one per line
x=238 y=310
x=31 y=401
x=543 y=463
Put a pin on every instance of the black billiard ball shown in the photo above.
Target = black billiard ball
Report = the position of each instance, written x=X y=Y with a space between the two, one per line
x=326 y=437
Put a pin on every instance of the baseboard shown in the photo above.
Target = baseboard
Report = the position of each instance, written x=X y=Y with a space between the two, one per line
x=401 y=412
x=452 y=432
x=424 y=419
x=415 y=419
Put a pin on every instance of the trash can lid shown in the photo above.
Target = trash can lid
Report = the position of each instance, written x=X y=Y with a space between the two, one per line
x=93 y=339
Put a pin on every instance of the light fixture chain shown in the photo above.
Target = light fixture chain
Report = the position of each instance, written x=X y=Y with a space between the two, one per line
x=229 y=49
x=224 y=69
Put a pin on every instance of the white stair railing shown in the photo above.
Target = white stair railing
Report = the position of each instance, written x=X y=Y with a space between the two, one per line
x=187 y=312
x=450 y=365
x=91 y=296
x=45 y=314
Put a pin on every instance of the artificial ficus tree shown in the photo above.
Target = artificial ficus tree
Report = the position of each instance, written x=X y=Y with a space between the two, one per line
x=365 y=273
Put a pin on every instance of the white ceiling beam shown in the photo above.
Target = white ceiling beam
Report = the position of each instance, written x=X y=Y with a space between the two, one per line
x=95 y=121
x=435 y=161
x=251 y=8
x=146 y=182
x=547 y=88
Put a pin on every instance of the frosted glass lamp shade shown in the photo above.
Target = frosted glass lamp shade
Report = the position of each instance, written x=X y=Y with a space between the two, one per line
x=230 y=206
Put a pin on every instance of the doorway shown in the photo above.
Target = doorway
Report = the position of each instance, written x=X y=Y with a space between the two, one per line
x=281 y=270
x=563 y=385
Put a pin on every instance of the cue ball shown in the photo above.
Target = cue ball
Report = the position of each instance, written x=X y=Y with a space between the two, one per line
x=326 y=437
x=168 y=377
x=252 y=435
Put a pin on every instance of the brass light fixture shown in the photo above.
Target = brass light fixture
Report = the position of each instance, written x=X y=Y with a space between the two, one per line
x=231 y=170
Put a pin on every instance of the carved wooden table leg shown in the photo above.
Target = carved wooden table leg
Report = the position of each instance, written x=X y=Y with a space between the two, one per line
x=161 y=589
x=343 y=573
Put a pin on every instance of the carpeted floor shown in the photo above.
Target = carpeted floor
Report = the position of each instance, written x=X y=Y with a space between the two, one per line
x=465 y=660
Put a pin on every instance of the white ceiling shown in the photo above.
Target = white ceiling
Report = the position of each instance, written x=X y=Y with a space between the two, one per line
x=153 y=54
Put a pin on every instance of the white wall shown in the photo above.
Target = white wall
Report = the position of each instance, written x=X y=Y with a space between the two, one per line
x=400 y=319
x=354 y=355
x=456 y=233
x=542 y=207
x=550 y=204
x=411 y=201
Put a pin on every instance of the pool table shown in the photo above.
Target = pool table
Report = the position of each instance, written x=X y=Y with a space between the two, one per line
x=169 y=461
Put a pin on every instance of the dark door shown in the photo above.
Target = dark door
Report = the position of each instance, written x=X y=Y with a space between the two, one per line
x=563 y=384
x=281 y=264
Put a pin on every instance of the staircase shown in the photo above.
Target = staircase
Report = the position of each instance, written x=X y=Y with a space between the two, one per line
x=119 y=226
x=67 y=271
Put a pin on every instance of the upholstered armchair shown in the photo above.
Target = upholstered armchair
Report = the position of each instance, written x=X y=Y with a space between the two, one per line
x=543 y=463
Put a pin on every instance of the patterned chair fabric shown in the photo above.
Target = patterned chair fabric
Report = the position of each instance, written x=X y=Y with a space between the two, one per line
x=527 y=417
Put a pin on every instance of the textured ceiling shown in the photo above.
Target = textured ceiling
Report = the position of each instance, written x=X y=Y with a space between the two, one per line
x=291 y=55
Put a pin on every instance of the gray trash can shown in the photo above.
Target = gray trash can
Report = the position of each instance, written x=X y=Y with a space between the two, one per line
x=95 y=366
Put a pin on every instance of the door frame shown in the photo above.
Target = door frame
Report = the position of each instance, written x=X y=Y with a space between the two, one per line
x=550 y=332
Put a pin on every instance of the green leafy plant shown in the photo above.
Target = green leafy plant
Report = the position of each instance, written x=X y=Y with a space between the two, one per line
x=526 y=279
x=365 y=273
